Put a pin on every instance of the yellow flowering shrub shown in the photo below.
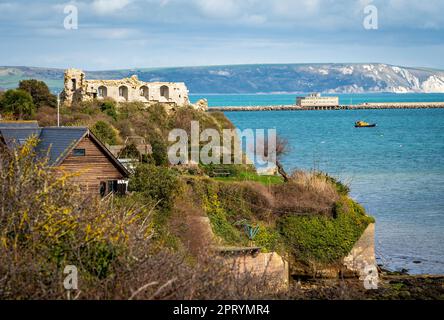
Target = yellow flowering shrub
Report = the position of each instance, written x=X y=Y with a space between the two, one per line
x=46 y=215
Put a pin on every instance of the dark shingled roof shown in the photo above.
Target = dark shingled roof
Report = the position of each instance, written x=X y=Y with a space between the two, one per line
x=17 y=136
x=54 y=142
x=19 y=124
x=59 y=141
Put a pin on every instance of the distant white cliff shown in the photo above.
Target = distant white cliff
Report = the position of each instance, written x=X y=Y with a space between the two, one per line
x=263 y=78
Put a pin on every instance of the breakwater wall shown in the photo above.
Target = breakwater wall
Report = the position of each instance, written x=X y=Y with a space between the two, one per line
x=391 y=105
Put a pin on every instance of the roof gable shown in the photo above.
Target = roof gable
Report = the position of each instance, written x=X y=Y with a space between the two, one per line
x=56 y=143
x=109 y=155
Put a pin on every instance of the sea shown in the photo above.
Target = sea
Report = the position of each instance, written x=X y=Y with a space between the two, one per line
x=396 y=170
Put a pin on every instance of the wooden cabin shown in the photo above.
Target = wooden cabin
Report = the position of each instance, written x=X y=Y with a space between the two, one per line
x=74 y=150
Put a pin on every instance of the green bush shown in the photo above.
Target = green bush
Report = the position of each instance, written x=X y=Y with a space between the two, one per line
x=17 y=103
x=232 y=199
x=159 y=149
x=156 y=183
x=90 y=108
x=99 y=257
x=268 y=238
x=39 y=92
x=223 y=228
x=323 y=239
x=104 y=132
x=108 y=107
x=157 y=114
x=130 y=151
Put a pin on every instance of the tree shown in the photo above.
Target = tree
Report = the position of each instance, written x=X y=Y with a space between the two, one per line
x=19 y=103
x=39 y=92
x=159 y=149
x=104 y=132
x=282 y=148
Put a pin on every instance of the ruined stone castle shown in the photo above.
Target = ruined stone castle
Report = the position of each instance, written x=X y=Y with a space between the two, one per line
x=78 y=89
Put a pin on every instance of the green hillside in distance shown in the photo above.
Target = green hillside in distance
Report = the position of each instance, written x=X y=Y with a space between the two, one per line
x=261 y=78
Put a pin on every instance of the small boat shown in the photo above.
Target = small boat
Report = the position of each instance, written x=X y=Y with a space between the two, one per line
x=363 y=124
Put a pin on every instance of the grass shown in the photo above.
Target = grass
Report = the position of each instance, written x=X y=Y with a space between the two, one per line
x=247 y=176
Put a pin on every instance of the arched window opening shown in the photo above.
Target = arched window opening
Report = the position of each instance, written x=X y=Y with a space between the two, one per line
x=123 y=92
x=144 y=92
x=102 y=92
x=165 y=92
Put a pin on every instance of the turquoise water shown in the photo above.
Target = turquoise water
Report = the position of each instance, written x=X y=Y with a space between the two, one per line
x=288 y=99
x=395 y=170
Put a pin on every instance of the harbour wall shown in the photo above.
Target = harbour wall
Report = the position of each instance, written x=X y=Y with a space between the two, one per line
x=368 y=106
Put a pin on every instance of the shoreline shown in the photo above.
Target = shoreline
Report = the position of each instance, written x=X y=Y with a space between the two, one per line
x=365 y=106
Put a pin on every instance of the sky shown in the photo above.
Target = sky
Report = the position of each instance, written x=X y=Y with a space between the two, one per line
x=126 y=34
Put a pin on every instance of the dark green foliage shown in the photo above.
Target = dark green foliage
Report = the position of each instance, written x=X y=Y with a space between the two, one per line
x=159 y=149
x=130 y=151
x=99 y=258
x=222 y=120
x=222 y=226
x=104 y=132
x=156 y=183
x=157 y=114
x=90 y=108
x=17 y=103
x=39 y=92
x=269 y=239
x=108 y=107
x=323 y=239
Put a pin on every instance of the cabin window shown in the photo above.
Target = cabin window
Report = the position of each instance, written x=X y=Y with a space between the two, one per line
x=102 y=189
x=122 y=187
x=112 y=186
x=79 y=152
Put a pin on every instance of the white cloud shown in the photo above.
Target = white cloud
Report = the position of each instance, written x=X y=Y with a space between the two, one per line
x=296 y=8
x=115 y=33
x=254 y=19
x=219 y=9
x=109 y=6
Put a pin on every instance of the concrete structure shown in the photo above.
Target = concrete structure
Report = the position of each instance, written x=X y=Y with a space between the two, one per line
x=78 y=89
x=315 y=100
x=361 y=261
x=269 y=266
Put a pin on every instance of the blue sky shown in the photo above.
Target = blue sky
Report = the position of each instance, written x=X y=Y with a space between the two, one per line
x=114 y=34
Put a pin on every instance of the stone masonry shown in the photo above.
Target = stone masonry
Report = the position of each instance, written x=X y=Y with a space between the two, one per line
x=78 y=89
